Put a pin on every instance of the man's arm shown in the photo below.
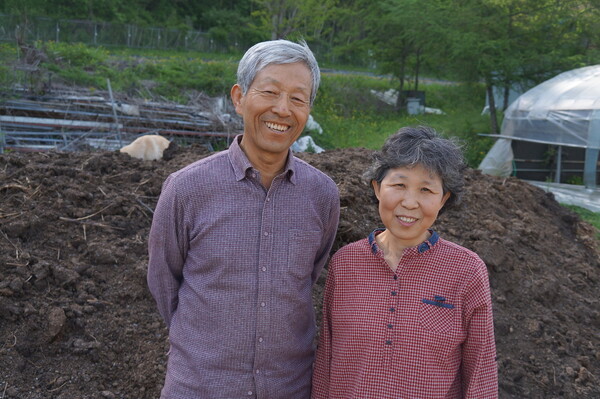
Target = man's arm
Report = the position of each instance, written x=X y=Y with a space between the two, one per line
x=166 y=249
x=329 y=234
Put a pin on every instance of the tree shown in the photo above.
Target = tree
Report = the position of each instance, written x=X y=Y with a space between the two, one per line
x=405 y=38
x=285 y=18
x=503 y=42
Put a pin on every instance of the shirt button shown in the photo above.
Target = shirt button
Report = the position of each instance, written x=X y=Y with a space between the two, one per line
x=395 y=277
x=268 y=199
x=393 y=293
x=260 y=339
x=264 y=269
x=266 y=234
x=392 y=309
x=250 y=393
x=262 y=304
x=388 y=342
x=257 y=371
x=390 y=326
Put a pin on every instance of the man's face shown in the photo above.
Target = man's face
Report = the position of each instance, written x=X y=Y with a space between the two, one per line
x=275 y=108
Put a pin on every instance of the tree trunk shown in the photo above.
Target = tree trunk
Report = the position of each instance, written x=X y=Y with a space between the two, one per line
x=401 y=101
x=417 y=69
x=492 y=104
x=506 y=96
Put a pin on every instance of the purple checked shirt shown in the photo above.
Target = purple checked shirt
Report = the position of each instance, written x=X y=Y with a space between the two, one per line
x=232 y=267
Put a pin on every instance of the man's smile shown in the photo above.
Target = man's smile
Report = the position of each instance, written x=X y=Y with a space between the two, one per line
x=277 y=126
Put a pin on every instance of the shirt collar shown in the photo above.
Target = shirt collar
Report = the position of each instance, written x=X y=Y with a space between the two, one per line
x=241 y=164
x=421 y=248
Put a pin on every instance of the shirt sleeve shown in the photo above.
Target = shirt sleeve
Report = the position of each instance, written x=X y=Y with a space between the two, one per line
x=322 y=367
x=329 y=233
x=479 y=368
x=166 y=249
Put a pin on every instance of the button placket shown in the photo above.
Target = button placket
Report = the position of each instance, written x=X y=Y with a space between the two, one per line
x=262 y=333
x=392 y=293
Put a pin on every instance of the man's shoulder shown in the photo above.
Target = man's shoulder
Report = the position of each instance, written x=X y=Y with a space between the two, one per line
x=211 y=164
x=306 y=171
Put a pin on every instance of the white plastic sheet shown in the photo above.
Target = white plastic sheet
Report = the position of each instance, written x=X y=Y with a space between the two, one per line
x=557 y=111
x=499 y=159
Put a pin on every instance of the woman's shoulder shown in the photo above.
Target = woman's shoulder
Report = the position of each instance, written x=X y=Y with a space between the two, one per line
x=459 y=255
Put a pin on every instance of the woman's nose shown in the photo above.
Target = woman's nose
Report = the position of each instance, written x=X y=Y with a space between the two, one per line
x=409 y=201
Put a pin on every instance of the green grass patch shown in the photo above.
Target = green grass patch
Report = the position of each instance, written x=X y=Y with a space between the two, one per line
x=146 y=73
x=174 y=75
x=592 y=218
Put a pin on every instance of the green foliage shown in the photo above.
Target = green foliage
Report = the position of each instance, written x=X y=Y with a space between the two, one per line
x=228 y=26
x=77 y=63
x=353 y=117
x=8 y=54
x=576 y=180
x=176 y=74
x=170 y=74
x=75 y=55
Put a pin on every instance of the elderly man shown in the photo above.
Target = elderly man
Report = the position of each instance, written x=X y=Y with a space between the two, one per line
x=239 y=238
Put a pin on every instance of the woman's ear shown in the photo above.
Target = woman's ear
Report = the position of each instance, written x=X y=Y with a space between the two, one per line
x=376 y=188
x=445 y=198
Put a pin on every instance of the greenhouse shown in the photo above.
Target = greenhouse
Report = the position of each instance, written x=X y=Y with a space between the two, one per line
x=552 y=132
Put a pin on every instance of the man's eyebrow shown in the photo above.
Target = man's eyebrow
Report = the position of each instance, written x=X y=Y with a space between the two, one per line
x=268 y=79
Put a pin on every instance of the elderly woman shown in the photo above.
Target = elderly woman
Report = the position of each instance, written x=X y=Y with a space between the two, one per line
x=407 y=314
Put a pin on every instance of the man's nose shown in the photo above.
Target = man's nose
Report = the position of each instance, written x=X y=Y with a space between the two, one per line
x=282 y=105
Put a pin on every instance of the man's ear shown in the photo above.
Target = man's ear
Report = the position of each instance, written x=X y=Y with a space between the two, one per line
x=236 y=98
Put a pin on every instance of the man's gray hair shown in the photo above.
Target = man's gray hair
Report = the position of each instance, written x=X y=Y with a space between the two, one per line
x=421 y=145
x=277 y=52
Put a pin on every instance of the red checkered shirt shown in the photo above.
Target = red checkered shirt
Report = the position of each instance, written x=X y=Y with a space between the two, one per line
x=424 y=331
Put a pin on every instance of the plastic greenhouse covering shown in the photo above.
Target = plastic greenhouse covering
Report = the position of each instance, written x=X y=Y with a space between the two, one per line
x=558 y=111
x=562 y=111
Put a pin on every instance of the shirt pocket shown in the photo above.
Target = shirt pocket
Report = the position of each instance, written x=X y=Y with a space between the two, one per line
x=302 y=251
x=436 y=317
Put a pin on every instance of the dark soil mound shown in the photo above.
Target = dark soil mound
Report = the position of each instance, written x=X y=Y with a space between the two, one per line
x=77 y=321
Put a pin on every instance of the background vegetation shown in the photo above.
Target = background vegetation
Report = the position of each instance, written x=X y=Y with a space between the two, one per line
x=346 y=108
x=502 y=43
x=478 y=45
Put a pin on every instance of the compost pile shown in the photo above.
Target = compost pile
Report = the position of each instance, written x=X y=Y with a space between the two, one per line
x=77 y=320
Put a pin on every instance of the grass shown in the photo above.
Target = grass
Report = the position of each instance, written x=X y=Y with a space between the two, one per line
x=592 y=218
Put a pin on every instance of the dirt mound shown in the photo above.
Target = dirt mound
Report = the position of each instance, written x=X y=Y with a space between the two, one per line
x=77 y=321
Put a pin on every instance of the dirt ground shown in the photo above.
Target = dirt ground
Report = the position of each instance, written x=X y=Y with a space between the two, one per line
x=77 y=320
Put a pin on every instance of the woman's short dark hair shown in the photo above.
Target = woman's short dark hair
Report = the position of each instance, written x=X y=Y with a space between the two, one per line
x=421 y=145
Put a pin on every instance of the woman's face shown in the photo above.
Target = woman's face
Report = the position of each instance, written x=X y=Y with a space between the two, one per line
x=409 y=202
